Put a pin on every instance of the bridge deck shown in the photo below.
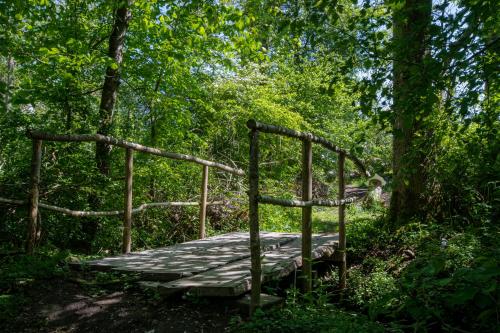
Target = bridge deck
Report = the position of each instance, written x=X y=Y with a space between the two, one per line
x=217 y=266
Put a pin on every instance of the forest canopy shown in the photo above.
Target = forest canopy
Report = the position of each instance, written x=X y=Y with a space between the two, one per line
x=409 y=87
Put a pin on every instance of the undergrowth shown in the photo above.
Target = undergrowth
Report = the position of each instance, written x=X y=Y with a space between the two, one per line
x=310 y=314
x=18 y=272
x=423 y=277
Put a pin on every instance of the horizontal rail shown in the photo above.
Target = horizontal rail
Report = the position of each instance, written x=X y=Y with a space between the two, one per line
x=82 y=213
x=264 y=199
x=266 y=128
x=13 y=202
x=131 y=145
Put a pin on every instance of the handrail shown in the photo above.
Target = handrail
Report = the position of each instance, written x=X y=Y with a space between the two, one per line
x=84 y=213
x=306 y=203
x=273 y=129
x=300 y=203
x=37 y=135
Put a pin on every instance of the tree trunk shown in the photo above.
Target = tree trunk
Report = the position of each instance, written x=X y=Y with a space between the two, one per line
x=106 y=110
x=412 y=101
x=9 y=81
x=111 y=84
x=154 y=132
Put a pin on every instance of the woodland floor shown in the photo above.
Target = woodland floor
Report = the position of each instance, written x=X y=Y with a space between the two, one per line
x=64 y=305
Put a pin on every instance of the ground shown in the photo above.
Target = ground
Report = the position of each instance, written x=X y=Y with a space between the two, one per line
x=65 y=305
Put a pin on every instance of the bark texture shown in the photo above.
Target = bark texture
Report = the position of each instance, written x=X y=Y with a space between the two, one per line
x=412 y=101
x=33 y=225
x=111 y=84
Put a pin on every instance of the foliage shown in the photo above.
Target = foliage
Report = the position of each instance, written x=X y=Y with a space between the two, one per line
x=195 y=71
x=18 y=272
x=21 y=270
x=296 y=317
x=367 y=290
x=451 y=282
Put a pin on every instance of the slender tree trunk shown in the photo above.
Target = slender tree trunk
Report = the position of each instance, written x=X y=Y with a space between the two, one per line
x=106 y=110
x=9 y=80
x=154 y=131
x=490 y=72
x=412 y=101
x=111 y=84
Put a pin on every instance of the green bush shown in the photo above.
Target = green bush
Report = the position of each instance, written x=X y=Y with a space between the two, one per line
x=20 y=271
x=455 y=286
x=23 y=269
x=304 y=318
x=427 y=277
x=369 y=289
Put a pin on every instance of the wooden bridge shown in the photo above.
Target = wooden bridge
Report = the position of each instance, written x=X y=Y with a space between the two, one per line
x=225 y=265
x=217 y=266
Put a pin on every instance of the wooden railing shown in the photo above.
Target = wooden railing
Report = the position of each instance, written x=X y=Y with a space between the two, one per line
x=306 y=203
x=34 y=203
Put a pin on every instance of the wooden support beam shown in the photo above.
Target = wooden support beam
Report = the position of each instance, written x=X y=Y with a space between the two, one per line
x=342 y=235
x=203 y=201
x=253 y=193
x=306 y=216
x=36 y=161
x=135 y=146
x=127 y=215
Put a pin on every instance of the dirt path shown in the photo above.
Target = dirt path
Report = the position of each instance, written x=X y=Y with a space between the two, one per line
x=65 y=306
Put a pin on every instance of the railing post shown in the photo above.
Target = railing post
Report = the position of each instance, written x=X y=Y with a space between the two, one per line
x=342 y=236
x=306 y=216
x=203 y=201
x=127 y=214
x=36 y=160
x=253 y=193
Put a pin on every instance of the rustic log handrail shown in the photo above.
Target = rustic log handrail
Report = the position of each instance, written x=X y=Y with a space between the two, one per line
x=273 y=129
x=36 y=135
x=311 y=203
x=306 y=203
x=86 y=213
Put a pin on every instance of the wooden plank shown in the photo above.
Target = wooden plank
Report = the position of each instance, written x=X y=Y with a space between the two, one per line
x=189 y=258
x=235 y=279
x=266 y=302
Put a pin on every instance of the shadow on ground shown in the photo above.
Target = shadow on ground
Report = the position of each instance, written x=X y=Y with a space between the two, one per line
x=65 y=306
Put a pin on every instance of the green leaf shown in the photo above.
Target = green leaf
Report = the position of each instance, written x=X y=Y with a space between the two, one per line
x=443 y=282
x=239 y=24
x=462 y=296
